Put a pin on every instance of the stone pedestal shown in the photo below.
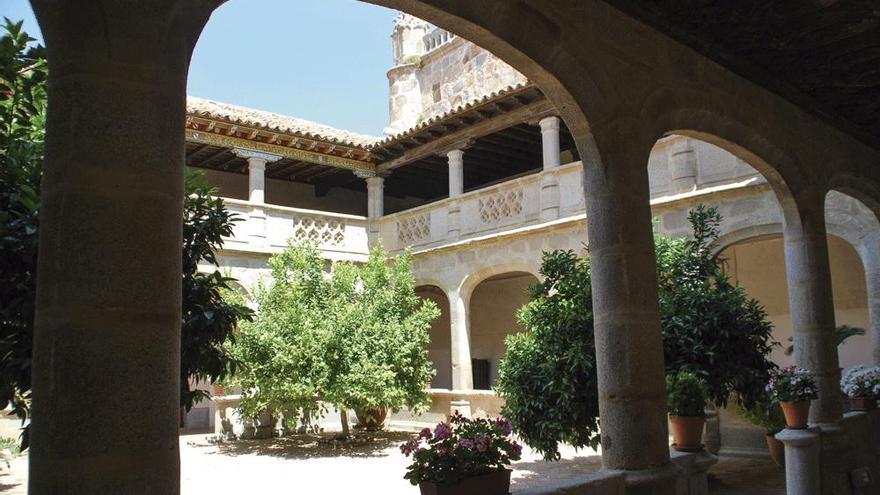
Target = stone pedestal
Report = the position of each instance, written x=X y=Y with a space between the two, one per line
x=802 y=470
x=549 y=197
x=692 y=479
x=461 y=406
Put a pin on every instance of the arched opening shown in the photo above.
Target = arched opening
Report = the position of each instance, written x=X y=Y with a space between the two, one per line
x=758 y=265
x=439 y=350
x=493 y=307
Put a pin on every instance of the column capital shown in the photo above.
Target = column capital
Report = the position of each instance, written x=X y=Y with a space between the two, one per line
x=256 y=156
x=550 y=123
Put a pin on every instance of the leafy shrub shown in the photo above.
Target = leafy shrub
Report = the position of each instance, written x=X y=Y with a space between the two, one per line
x=356 y=337
x=710 y=326
x=685 y=394
x=466 y=447
x=548 y=375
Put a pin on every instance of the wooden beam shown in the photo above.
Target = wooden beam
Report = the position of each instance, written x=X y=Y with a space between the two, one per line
x=491 y=125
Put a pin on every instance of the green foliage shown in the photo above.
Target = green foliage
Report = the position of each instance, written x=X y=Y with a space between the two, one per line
x=764 y=413
x=685 y=394
x=208 y=319
x=710 y=326
x=355 y=337
x=23 y=73
x=548 y=375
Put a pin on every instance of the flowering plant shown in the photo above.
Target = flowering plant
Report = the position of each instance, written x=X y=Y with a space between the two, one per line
x=862 y=382
x=461 y=448
x=792 y=384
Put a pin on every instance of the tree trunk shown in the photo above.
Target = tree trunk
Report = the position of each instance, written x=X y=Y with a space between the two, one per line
x=343 y=414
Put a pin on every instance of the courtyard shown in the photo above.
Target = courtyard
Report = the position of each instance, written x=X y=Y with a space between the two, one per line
x=318 y=467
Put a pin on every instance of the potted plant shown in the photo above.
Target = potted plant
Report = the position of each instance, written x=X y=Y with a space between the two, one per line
x=862 y=385
x=686 y=403
x=794 y=388
x=462 y=457
x=767 y=414
x=371 y=419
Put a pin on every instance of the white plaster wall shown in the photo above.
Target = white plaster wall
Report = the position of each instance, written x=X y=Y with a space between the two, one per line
x=759 y=267
x=439 y=348
x=493 y=309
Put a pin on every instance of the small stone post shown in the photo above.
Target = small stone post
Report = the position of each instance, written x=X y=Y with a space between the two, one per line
x=802 y=470
x=682 y=166
x=257 y=161
x=456 y=188
x=552 y=159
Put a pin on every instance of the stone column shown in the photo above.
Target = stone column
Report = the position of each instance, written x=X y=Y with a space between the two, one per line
x=460 y=349
x=682 y=166
x=375 y=202
x=106 y=355
x=629 y=345
x=802 y=469
x=550 y=142
x=552 y=159
x=456 y=188
x=375 y=197
x=257 y=161
x=871 y=258
x=811 y=302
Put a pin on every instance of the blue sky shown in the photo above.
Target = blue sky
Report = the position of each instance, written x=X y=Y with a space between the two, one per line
x=322 y=60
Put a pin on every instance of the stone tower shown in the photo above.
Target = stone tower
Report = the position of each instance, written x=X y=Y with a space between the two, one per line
x=408 y=45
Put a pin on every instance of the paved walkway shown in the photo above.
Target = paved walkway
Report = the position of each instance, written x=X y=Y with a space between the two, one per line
x=312 y=466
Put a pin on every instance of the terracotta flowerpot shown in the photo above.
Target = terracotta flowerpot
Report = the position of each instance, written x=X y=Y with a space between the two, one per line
x=797 y=414
x=491 y=483
x=687 y=432
x=218 y=389
x=777 y=450
x=372 y=419
x=862 y=403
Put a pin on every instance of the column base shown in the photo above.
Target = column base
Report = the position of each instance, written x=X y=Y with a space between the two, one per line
x=802 y=466
x=461 y=406
x=663 y=480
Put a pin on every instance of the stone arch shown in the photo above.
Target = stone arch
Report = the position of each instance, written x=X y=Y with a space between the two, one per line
x=471 y=281
x=493 y=306
x=440 y=347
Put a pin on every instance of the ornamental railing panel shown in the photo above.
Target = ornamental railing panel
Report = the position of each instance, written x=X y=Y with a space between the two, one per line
x=414 y=229
x=501 y=206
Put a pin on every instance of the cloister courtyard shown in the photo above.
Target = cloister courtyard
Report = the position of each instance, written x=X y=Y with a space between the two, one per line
x=650 y=228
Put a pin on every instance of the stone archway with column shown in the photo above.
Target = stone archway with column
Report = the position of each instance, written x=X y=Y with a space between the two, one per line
x=104 y=321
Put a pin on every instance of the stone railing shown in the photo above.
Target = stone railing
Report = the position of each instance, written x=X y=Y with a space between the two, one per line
x=268 y=228
x=497 y=208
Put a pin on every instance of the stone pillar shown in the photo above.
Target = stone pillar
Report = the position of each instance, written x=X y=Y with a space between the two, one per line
x=106 y=355
x=456 y=172
x=375 y=202
x=802 y=470
x=456 y=188
x=552 y=159
x=682 y=166
x=257 y=161
x=375 y=197
x=812 y=303
x=550 y=142
x=871 y=258
x=460 y=349
x=629 y=345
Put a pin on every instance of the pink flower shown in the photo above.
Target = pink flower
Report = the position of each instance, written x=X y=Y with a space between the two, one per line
x=442 y=431
x=504 y=425
x=516 y=448
x=482 y=442
x=426 y=434
x=466 y=443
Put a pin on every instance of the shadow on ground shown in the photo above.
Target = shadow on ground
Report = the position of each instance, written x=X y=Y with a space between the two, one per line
x=310 y=446
x=532 y=474
x=739 y=476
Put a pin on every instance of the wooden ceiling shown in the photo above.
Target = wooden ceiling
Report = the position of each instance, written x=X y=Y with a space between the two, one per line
x=823 y=55
x=500 y=137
